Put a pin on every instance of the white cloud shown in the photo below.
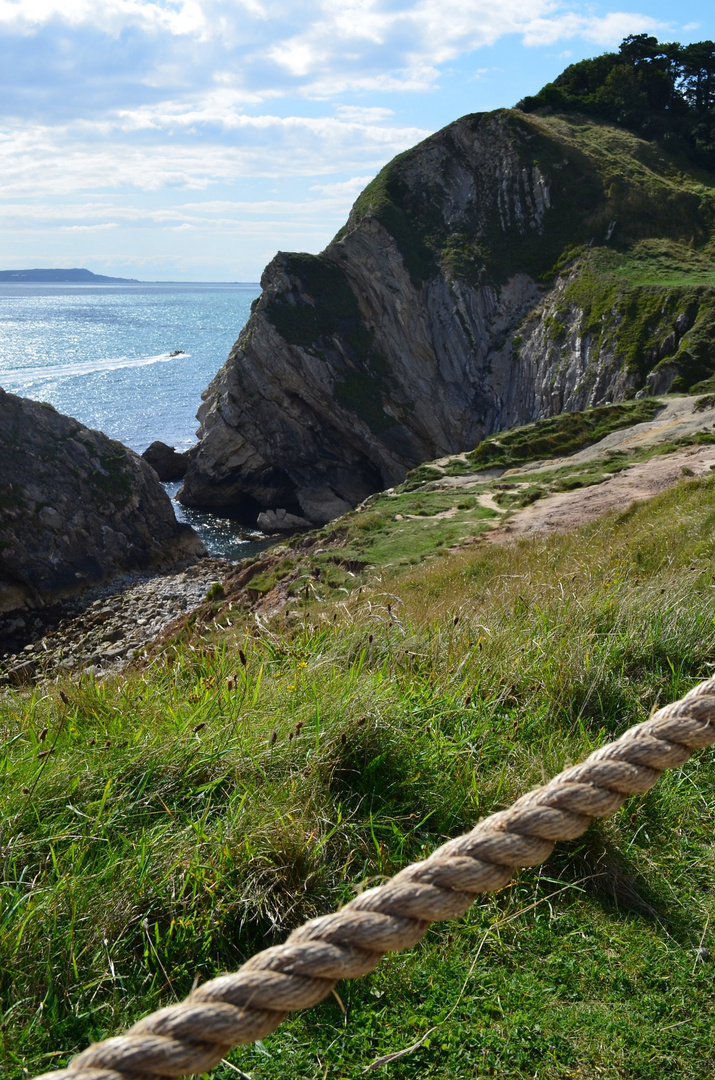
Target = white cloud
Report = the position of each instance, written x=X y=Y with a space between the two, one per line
x=330 y=200
x=109 y=16
x=118 y=108
x=219 y=110
x=90 y=228
x=363 y=114
x=353 y=187
x=159 y=147
x=317 y=48
x=297 y=57
x=607 y=30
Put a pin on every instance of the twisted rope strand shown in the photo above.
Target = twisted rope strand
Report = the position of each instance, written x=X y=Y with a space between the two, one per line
x=194 y=1035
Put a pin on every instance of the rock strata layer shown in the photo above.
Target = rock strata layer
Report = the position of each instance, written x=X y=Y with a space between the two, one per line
x=76 y=509
x=464 y=296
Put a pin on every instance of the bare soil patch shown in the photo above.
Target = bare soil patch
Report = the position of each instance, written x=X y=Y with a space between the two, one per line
x=569 y=509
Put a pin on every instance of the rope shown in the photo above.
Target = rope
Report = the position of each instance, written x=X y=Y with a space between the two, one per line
x=196 y=1034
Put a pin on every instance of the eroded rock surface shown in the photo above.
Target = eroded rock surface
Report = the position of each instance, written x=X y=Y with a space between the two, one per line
x=280 y=520
x=76 y=509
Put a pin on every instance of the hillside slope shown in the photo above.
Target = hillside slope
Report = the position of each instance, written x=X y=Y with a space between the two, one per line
x=508 y=268
x=547 y=478
x=164 y=822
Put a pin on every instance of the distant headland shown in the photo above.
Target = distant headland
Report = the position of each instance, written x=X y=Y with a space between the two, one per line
x=75 y=274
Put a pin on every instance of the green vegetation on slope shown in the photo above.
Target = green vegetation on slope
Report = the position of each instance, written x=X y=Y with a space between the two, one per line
x=484 y=251
x=631 y=223
x=657 y=263
x=396 y=530
x=386 y=198
x=627 y=310
x=661 y=90
x=628 y=218
x=161 y=825
x=328 y=307
x=560 y=435
x=599 y=177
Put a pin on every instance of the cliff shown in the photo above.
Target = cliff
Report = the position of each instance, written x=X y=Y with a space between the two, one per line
x=508 y=268
x=76 y=509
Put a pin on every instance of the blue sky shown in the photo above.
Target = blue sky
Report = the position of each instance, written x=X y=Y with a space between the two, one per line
x=192 y=139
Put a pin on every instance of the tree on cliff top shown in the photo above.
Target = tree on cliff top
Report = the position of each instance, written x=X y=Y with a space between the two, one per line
x=663 y=91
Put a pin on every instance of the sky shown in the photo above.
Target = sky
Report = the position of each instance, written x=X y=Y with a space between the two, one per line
x=190 y=140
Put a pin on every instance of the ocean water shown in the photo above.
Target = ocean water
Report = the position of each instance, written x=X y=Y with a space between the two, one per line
x=102 y=353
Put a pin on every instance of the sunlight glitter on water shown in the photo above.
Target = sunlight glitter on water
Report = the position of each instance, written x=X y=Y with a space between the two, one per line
x=25 y=378
x=103 y=354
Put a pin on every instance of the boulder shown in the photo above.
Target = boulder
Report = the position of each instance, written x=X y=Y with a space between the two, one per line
x=165 y=461
x=76 y=509
x=321 y=504
x=281 y=521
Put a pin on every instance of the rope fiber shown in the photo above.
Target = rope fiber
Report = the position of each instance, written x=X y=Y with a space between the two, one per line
x=194 y=1035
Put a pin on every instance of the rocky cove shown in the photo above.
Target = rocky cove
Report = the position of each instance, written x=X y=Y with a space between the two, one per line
x=200 y=755
x=509 y=268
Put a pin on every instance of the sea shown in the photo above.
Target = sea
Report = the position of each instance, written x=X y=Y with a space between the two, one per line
x=103 y=354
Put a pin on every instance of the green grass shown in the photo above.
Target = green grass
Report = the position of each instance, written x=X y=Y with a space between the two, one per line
x=560 y=435
x=511 y=493
x=657 y=262
x=191 y=812
x=402 y=529
x=650 y=193
x=653 y=302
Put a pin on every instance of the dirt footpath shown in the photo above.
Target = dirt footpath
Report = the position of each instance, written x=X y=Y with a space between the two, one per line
x=569 y=509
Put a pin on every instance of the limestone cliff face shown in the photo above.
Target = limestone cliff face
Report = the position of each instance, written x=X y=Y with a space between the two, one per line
x=76 y=509
x=439 y=314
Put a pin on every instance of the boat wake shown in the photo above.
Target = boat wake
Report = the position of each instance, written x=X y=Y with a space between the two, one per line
x=20 y=378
